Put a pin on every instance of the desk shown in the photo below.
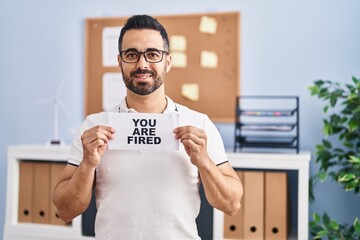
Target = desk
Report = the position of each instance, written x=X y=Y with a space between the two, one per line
x=13 y=230
x=299 y=162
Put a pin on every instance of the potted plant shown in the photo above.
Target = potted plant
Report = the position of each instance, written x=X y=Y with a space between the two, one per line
x=338 y=154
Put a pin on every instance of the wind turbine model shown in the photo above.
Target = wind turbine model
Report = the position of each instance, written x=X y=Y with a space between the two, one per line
x=58 y=104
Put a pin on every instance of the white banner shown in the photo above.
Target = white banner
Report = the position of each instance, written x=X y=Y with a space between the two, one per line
x=144 y=131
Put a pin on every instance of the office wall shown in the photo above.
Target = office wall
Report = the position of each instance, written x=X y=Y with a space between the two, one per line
x=285 y=45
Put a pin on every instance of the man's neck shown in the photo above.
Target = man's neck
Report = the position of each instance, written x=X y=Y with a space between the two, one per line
x=153 y=103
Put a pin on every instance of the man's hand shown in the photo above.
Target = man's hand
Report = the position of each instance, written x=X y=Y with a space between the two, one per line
x=223 y=189
x=195 y=143
x=94 y=141
x=72 y=194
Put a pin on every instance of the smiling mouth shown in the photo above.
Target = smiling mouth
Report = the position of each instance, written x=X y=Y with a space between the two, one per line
x=142 y=76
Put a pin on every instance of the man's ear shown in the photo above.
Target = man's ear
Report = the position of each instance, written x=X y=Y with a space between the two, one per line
x=119 y=61
x=168 y=63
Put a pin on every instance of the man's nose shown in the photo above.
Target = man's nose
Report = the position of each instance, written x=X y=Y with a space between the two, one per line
x=142 y=63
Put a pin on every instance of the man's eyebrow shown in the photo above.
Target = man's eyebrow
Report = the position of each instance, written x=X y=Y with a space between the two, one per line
x=148 y=49
x=153 y=49
x=131 y=49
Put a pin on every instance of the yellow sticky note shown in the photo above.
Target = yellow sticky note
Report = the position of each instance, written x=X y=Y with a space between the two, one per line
x=190 y=91
x=208 y=25
x=177 y=43
x=179 y=60
x=208 y=59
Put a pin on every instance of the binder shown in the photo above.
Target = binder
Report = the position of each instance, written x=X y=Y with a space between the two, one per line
x=25 y=213
x=276 y=206
x=254 y=205
x=41 y=193
x=233 y=225
x=55 y=172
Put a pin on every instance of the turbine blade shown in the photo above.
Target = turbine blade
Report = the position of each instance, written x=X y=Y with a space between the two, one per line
x=63 y=107
x=59 y=88
x=44 y=100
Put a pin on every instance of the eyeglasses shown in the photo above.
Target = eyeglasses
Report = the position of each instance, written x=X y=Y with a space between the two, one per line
x=150 y=55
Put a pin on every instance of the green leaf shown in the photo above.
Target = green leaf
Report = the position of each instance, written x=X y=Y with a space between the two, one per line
x=321 y=234
x=319 y=148
x=313 y=224
x=350 y=87
x=354 y=160
x=327 y=129
x=334 y=225
x=326 y=218
x=339 y=150
x=355 y=80
x=357 y=225
x=319 y=82
x=326 y=108
x=352 y=97
x=326 y=143
x=353 y=125
x=343 y=119
x=352 y=185
x=333 y=101
x=322 y=176
x=316 y=217
x=332 y=174
x=346 y=177
x=314 y=90
x=348 y=144
x=323 y=93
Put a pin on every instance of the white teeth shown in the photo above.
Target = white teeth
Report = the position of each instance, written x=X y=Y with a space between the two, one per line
x=142 y=76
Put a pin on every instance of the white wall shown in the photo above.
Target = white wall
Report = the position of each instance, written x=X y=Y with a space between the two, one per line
x=285 y=45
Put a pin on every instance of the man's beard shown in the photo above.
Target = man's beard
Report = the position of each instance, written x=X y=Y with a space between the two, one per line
x=143 y=88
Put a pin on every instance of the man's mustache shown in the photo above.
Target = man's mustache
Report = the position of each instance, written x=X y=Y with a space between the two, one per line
x=142 y=71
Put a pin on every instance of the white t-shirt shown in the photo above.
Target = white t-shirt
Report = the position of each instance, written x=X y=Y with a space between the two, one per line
x=152 y=195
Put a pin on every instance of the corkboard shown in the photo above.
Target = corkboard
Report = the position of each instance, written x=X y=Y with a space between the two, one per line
x=218 y=87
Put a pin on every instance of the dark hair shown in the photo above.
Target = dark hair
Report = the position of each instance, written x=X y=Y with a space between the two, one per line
x=144 y=22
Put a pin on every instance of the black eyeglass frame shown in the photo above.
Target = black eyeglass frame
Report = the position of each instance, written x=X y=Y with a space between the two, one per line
x=143 y=53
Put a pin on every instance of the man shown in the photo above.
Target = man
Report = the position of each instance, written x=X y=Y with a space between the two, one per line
x=147 y=194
